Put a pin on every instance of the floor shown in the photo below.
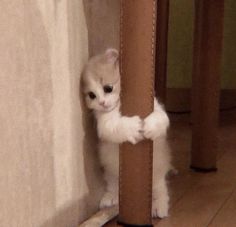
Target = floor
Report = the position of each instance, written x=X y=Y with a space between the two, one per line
x=200 y=199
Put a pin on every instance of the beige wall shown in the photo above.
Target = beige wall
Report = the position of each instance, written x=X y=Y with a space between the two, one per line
x=102 y=18
x=48 y=172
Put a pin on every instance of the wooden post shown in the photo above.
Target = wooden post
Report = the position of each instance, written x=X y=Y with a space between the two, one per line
x=137 y=76
x=206 y=83
x=161 y=48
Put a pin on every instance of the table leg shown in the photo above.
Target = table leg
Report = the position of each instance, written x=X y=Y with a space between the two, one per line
x=161 y=48
x=208 y=36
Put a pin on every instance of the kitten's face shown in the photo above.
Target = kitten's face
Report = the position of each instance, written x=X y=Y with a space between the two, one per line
x=101 y=82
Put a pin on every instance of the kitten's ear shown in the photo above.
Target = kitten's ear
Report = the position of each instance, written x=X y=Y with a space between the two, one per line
x=112 y=55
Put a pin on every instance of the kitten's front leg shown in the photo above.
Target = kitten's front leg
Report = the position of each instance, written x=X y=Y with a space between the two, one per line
x=121 y=129
x=157 y=123
x=132 y=129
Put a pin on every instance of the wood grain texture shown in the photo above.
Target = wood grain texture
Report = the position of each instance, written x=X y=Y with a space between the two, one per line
x=226 y=215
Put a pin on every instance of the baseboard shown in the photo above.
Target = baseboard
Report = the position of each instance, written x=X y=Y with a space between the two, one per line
x=101 y=217
x=179 y=99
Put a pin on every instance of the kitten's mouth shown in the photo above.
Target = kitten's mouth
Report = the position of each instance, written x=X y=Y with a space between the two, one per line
x=110 y=108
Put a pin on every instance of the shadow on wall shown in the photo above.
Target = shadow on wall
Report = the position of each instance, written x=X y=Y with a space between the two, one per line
x=102 y=18
x=92 y=170
x=67 y=216
x=90 y=145
x=83 y=207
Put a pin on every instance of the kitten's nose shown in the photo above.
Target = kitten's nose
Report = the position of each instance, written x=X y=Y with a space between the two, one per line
x=102 y=103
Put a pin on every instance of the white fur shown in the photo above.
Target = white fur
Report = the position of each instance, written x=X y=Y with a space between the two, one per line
x=109 y=156
x=114 y=129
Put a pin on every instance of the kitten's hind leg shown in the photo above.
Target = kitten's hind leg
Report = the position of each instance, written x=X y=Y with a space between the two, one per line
x=110 y=197
x=160 y=201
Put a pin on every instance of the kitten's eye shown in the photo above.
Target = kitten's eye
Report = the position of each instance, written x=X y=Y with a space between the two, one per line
x=91 y=95
x=108 y=88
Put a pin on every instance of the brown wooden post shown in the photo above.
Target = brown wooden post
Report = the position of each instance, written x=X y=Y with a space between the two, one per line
x=161 y=48
x=137 y=76
x=206 y=83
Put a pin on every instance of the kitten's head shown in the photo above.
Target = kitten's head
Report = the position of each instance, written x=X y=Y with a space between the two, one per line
x=101 y=81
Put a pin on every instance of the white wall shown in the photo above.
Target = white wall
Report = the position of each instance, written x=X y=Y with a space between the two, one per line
x=48 y=173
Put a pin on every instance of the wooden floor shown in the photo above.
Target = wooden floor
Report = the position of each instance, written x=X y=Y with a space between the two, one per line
x=200 y=199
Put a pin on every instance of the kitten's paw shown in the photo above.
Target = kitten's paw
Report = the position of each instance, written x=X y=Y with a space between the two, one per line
x=159 y=209
x=134 y=129
x=155 y=126
x=108 y=200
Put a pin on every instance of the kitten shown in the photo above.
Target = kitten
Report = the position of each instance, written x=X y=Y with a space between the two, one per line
x=101 y=86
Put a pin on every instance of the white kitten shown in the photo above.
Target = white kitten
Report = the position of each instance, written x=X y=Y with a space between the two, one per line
x=101 y=85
